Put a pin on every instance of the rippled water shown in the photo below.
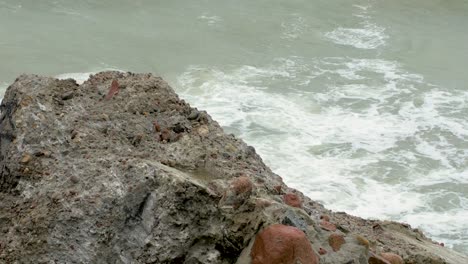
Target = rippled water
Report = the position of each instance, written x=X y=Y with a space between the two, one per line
x=362 y=105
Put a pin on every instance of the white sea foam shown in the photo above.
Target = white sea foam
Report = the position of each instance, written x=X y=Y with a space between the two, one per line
x=367 y=35
x=81 y=77
x=211 y=20
x=369 y=160
x=3 y=87
x=453 y=223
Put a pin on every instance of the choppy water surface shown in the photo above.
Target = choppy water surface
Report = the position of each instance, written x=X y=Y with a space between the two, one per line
x=362 y=105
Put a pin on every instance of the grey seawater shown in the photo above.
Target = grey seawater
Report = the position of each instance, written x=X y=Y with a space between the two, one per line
x=362 y=105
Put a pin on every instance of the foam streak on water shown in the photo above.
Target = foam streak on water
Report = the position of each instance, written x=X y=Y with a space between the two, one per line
x=367 y=35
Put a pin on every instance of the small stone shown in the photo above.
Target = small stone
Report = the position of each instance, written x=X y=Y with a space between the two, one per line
x=203 y=130
x=278 y=189
x=193 y=115
x=230 y=148
x=282 y=244
x=262 y=203
x=336 y=241
x=178 y=128
x=327 y=226
x=165 y=135
x=250 y=151
x=203 y=118
x=374 y=259
x=26 y=158
x=74 y=179
x=136 y=140
x=377 y=228
x=74 y=134
x=292 y=199
x=442 y=244
x=241 y=185
x=293 y=219
x=392 y=258
x=42 y=153
x=113 y=90
x=325 y=217
x=175 y=137
x=322 y=251
x=68 y=95
x=363 y=241
x=156 y=126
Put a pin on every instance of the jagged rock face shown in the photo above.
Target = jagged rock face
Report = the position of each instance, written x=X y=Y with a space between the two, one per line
x=112 y=188
x=120 y=170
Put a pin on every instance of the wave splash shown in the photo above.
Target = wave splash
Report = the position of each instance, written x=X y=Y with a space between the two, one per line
x=376 y=141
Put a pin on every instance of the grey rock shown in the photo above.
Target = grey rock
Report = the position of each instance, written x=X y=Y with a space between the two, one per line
x=193 y=115
x=107 y=190
x=68 y=95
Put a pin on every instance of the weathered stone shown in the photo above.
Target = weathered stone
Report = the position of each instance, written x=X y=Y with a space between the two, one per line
x=241 y=185
x=374 y=259
x=165 y=135
x=392 y=258
x=203 y=130
x=67 y=95
x=263 y=203
x=292 y=199
x=322 y=251
x=336 y=241
x=325 y=217
x=74 y=179
x=363 y=241
x=280 y=244
x=113 y=90
x=327 y=226
x=157 y=126
x=26 y=158
x=193 y=115
x=278 y=189
x=292 y=219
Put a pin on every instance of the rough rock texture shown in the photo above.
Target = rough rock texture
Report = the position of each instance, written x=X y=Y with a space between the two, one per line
x=336 y=241
x=129 y=173
x=278 y=244
x=392 y=258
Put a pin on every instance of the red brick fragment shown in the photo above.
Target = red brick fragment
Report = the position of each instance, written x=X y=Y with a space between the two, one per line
x=325 y=217
x=242 y=184
x=336 y=241
x=114 y=89
x=327 y=226
x=281 y=244
x=165 y=135
x=278 y=189
x=322 y=251
x=292 y=199
x=156 y=126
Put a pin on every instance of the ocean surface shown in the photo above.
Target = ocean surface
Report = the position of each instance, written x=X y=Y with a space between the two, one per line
x=362 y=105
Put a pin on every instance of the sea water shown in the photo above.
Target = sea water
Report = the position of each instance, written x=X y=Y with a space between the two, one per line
x=360 y=104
